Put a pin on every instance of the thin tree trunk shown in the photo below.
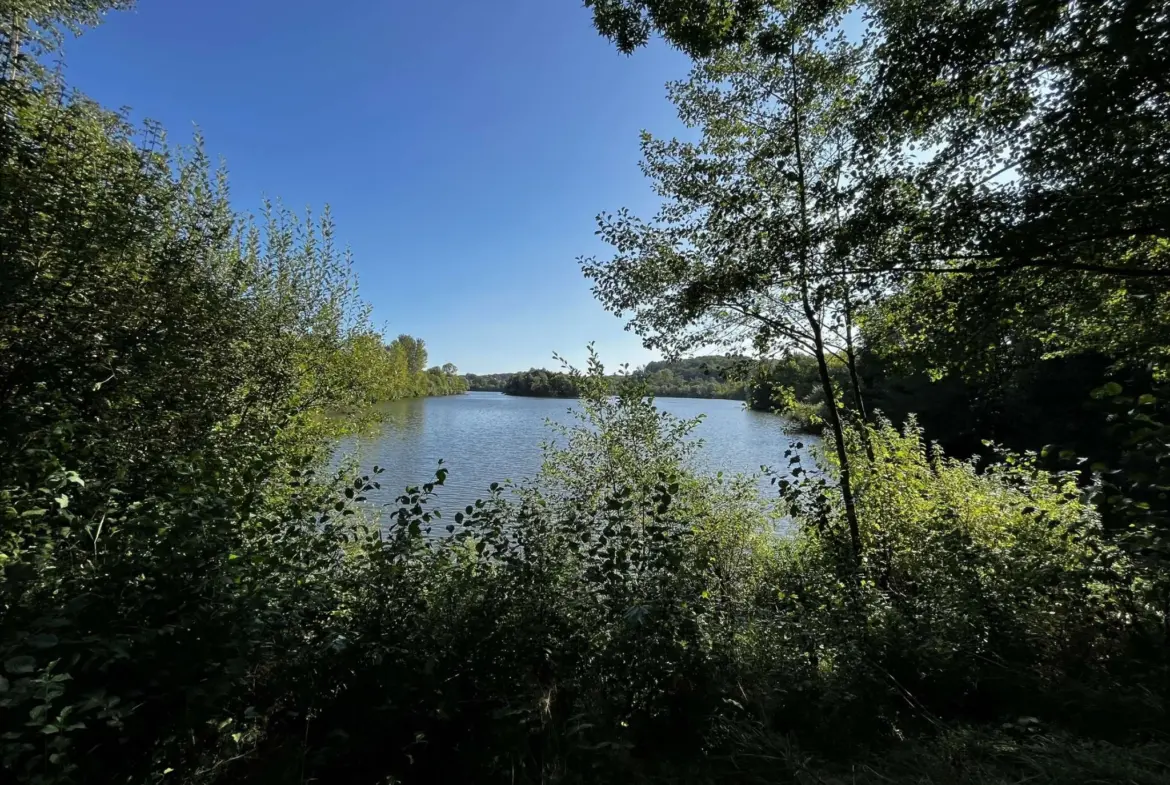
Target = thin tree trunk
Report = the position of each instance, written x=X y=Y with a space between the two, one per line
x=835 y=425
x=845 y=479
x=13 y=53
x=850 y=354
x=854 y=379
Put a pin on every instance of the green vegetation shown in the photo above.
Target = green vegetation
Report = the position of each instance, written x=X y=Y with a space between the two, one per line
x=488 y=382
x=791 y=386
x=405 y=376
x=695 y=377
x=187 y=595
x=541 y=383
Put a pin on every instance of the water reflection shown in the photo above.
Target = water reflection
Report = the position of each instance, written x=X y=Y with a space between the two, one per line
x=488 y=437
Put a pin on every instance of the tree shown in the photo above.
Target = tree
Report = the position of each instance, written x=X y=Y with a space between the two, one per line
x=396 y=363
x=753 y=243
x=37 y=26
x=1038 y=222
x=169 y=370
x=418 y=358
x=406 y=365
x=541 y=383
x=1020 y=115
x=1029 y=113
x=407 y=344
x=1016 y=184
x=698 y=27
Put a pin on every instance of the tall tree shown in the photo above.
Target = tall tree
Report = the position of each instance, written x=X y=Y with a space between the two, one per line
x=1040 y=127
x=753 y=244
x=417 y=356
x=36 y=26
x=1018 y=171
x=1046 y=125
x=409 y=346
x=698 y=27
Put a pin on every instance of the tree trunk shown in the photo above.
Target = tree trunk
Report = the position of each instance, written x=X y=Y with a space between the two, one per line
x=807 y=247
x=12 y=55
x=834 y=418
x=855 y=380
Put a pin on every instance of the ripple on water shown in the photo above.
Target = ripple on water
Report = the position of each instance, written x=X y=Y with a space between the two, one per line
x=490 y=437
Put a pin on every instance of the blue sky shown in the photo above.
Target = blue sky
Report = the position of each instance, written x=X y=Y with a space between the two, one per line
x=465 y=147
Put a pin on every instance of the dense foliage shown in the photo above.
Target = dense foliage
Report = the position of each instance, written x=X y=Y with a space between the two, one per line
x=693 y=377
x=187 y=595
x=407 y=375
x=696 y=377
x=541 y=383
x=791 y=386
x=168 y=371
x=984 y=188
x=487 y=382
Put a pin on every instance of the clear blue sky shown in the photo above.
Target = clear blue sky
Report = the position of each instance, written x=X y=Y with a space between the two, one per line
x=465 y=147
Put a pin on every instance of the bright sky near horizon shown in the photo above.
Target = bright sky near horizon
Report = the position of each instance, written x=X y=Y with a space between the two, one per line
x=464 y=146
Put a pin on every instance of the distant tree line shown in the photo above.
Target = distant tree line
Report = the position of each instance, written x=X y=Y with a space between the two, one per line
x=487 y=382
x=957 y=412
x=697 y=377
x=541 y=383
x=405 y=372
x=694 y=377
x=789 y=385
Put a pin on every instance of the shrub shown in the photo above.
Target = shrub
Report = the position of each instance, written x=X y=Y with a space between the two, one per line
x=167 y=374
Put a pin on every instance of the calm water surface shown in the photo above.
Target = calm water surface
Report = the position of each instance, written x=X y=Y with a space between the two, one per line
x=487 y=437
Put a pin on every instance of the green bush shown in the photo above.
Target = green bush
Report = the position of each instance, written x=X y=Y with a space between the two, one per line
x=627 y=618
x=169 y=373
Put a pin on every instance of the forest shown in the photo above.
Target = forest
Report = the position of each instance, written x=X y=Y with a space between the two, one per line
x=405 y=375
x=691 y=377
x=938 y=231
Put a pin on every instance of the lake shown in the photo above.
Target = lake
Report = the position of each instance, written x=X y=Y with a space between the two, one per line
x=486 y=437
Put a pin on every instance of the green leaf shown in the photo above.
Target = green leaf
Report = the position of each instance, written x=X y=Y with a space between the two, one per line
x=43 y=640
x=21 y=664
